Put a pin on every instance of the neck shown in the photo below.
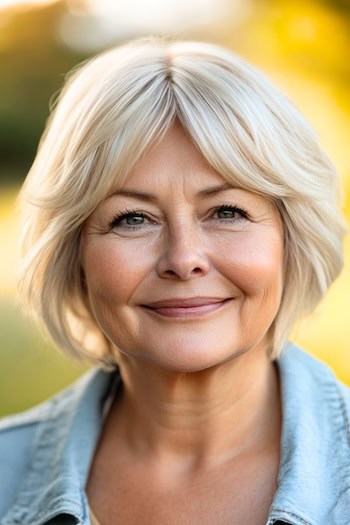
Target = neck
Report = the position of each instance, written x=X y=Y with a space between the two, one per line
x=200 y=418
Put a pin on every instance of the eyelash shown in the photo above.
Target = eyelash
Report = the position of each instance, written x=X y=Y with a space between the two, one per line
x=130 y=213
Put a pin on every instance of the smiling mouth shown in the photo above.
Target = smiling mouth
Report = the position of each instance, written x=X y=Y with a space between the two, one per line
x=188 y=311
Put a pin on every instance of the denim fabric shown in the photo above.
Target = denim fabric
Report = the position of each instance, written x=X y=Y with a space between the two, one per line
x=46 y=451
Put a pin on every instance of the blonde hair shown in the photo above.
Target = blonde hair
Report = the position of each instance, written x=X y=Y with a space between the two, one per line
x=110 y=110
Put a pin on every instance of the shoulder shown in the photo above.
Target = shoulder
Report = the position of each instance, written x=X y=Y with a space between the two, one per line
x=314 y=475
x=19 y=422
x=18 y=439
x=311 y=374
x=311 y=388
x=296 y=360
x=17 y=432
x=27 y=420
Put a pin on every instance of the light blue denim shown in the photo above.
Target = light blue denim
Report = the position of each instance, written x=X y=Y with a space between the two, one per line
x=46 y=451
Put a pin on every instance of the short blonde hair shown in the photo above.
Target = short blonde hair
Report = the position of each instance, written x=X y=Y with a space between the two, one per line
x=110 y=110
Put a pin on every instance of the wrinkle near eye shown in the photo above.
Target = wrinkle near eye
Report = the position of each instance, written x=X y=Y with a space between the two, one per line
x=93 y=227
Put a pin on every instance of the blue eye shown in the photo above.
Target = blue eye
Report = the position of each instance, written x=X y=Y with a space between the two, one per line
x=235 y=214
x=127 y=214
x=243 y=214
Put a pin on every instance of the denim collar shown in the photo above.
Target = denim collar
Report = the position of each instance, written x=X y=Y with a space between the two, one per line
x=314 y=473
x=64 y=446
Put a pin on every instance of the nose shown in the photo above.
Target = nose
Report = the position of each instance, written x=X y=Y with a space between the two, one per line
x=184 y=254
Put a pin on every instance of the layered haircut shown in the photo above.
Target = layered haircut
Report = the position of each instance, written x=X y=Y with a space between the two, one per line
x=111 y=109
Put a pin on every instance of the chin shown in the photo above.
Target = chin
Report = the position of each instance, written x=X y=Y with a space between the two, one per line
x=188 y=361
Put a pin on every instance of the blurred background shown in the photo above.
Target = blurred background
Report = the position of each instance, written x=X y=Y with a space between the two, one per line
x=303 y=46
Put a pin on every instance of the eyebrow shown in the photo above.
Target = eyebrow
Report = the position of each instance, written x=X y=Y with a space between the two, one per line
x=153 y=198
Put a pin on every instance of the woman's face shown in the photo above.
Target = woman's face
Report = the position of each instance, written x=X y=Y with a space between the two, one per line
x=183 y=247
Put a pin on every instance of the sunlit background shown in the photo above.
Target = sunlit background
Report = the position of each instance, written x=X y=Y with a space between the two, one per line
x=303 y=46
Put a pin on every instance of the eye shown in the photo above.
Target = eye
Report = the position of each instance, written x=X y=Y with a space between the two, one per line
x=233 y=213
x=127 y=214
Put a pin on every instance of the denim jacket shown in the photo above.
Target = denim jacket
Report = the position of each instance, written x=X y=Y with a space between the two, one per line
x=46 y=451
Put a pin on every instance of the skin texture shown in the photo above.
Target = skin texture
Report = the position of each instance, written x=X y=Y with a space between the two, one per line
x=200 y=402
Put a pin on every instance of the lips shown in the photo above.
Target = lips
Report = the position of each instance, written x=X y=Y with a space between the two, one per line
x=185 y=302
x=189 y=311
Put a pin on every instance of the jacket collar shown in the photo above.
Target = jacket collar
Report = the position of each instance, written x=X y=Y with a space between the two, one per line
x=314 y=474
x=63 y=450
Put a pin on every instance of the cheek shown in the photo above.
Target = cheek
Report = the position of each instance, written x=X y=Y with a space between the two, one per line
x=108 y=268
x=255 y=265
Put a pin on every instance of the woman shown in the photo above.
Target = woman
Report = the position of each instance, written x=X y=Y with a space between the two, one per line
x=179 y=218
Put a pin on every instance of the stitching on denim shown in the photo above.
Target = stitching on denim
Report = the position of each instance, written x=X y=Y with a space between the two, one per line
x=293 y=515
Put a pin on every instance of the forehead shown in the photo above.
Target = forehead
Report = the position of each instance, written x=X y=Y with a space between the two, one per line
x=174 y=158
x=175 y=166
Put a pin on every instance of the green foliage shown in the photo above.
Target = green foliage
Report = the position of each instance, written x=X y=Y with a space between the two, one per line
x=33 y=63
